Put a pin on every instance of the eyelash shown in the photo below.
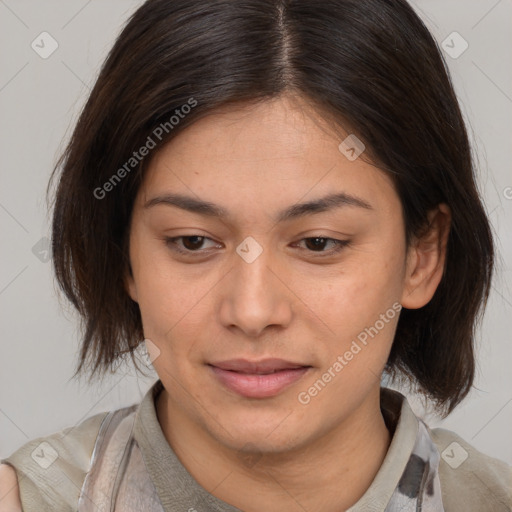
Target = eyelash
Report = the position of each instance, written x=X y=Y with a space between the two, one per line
x=171 y=243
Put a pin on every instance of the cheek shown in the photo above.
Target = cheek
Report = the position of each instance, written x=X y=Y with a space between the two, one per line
x=357 y=312
x=163 y=296
x=355 y=293
x=175 y=304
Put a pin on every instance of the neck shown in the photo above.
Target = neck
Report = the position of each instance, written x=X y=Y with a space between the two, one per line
x=329 y=473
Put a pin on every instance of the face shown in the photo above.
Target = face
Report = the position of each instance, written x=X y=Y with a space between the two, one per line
x=227 y=288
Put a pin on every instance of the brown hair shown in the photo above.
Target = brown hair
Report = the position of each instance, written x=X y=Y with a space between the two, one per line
x=370 y=63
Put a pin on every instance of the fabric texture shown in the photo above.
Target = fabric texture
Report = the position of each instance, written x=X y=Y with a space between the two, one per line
x=121 y=461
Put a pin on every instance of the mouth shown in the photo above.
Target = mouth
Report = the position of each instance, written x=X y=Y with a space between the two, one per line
x=258 y=379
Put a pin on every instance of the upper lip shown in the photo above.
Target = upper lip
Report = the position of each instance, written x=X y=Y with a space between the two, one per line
x=265 y=365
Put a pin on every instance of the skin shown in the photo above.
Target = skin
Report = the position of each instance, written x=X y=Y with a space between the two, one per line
x=9 y=490
x=297 y=301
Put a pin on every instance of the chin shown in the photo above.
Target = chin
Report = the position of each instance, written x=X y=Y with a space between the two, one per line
x=261 y=433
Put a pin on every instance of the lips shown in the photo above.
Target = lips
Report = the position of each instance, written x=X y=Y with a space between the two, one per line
x=264 y=367
x=258 y=379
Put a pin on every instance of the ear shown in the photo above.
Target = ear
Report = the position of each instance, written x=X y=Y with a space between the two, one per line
x=426 y=258
x=129 y=284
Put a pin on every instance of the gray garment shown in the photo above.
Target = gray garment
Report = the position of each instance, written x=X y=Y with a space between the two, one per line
x=119 y=479
x=121 y=461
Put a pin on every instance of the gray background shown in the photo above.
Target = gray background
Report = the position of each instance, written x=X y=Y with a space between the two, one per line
x=39 y=102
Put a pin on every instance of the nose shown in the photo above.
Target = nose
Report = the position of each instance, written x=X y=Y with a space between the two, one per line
x=254 y=296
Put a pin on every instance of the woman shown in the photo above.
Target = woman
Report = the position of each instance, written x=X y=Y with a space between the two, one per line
x=277 y=198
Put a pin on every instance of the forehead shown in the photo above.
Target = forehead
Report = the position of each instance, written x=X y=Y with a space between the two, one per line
x=270 y=153
x=286 y=126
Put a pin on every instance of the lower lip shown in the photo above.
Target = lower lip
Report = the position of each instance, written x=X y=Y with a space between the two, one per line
x=258 y=386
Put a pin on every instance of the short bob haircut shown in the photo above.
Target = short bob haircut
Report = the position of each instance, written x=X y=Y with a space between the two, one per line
x=370 y=65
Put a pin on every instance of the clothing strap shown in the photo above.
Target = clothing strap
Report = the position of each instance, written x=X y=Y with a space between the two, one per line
x=419 y=489
x=118 y=478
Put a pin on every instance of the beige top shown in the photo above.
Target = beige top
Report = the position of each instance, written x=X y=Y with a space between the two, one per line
x=52 y=470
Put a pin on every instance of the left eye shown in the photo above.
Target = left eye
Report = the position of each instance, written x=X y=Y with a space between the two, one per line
x=194 y=243
x=316 y=243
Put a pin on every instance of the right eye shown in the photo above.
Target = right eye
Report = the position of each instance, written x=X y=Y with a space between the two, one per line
x=190 y=243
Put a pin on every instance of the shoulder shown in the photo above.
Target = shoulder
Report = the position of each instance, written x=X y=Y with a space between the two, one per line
x=51 y=469
x=471 y=480
x=9 y=490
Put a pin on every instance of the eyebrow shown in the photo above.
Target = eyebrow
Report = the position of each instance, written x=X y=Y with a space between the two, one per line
x=209 y=209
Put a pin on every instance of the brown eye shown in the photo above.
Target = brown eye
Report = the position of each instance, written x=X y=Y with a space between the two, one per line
x=189 y=243
x=317 y=244
x=192 y=243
